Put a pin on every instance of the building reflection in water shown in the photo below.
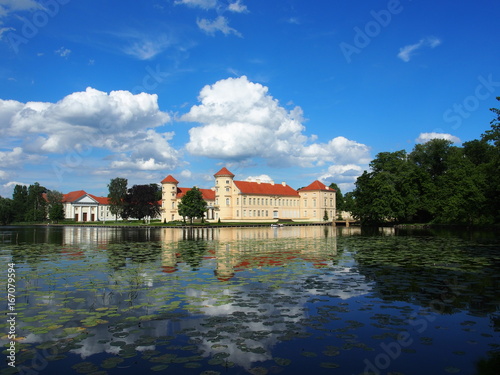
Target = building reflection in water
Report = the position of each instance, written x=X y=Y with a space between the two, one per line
x=238 y=249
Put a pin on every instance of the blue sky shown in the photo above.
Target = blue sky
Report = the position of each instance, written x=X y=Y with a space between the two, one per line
x=288 y=90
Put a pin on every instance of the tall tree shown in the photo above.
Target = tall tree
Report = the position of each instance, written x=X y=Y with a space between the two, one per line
x=117 y=192
x=192 y=205
x=141 y=201
x=56 y=207
x=36 y=203
x=20 y=201
x=492 y=168
x=339 y=198
x=7 y=211
x=388 y=193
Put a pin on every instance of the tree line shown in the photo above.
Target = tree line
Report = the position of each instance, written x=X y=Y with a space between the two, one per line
x=33 y=203
x=36 y=203
x=435 y=183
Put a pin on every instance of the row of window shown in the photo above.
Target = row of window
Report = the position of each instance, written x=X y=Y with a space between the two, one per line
x=272 y=202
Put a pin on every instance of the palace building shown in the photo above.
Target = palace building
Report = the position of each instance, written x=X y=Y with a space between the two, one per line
x=253 y=201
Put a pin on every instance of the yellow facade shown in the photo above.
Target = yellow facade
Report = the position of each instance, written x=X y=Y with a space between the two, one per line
x=244 y=201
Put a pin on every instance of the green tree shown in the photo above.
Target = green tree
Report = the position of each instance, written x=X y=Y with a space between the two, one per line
x=325 y=216
x=117 y=188
x=460 y=198
x=492 y=167
x=20 y=201
x=55 y=205
x=141 y=201
x=339 y=198
x=7 y=211
x=36 y=203
x=388 y=193
x=192 y=205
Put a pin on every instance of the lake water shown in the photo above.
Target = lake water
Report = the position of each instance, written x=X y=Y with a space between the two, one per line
x=291 y=300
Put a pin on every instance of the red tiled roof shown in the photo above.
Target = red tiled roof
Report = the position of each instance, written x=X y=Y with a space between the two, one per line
x=73 y=196
x=317 y=185
x=169 y=178
x=101 y=200
x=208 y=194
x=247 y=187
x=224 y=172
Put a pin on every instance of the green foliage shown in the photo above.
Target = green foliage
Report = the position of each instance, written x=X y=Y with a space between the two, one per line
x=325 y=216
x=437 y=182
x=117 y=188
x=7 y=211
x=56 y=208
x=192 y=205
x=36 y=204
x=339 y=198
x=141 y=201
x=20 y=201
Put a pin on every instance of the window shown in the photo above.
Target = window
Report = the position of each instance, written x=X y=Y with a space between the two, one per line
x=305 y=202
x=227 y=182
x=173 y=204
x=244 y=200
x=244 y=213
x=227 y=201
x=237 y=213
x=314 y=202
x=237 y=201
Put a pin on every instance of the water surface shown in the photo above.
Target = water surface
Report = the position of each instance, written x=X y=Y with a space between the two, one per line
x=286 y=300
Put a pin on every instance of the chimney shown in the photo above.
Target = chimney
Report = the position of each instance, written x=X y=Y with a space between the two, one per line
x=258 y=181
x=283 y=183
x=272 y=182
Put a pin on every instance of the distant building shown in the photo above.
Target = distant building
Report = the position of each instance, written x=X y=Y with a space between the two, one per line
x=244 y=201
x=81 y=206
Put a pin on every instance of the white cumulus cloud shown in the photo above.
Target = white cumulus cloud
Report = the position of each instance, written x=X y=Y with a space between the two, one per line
x=264 y=178
x=426 y=137
x=240 y=120
x=118 y=122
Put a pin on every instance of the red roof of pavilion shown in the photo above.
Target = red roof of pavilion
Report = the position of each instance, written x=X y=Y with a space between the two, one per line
x=224 y=172
x=208 y=194
x=169 y=178
x=317 y=185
